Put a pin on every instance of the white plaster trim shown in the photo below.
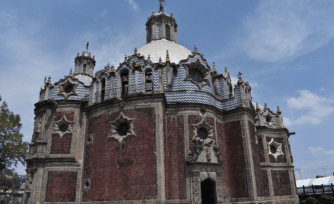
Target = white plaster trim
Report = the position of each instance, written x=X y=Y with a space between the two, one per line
x=278 y=148
x=114 y=125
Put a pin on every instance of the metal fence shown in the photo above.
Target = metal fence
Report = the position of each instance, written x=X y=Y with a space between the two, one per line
x=316 y=190
x=11 y=198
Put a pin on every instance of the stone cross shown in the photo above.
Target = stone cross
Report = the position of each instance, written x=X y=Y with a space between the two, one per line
x=161 y=5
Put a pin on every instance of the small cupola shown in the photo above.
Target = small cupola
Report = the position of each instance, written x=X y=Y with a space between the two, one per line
x=161 y=26
x=84 y=63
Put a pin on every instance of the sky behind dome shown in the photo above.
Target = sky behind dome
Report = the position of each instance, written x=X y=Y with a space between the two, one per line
x=283 y=48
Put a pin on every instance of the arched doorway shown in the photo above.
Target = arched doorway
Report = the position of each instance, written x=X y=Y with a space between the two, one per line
x=208 y=191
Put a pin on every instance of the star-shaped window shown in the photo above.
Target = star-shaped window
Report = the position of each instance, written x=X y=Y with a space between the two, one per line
x=197 y=74
x=122 y=128
x=67 y=89
x=203 y=133
x=275 y=148
x=63 y=126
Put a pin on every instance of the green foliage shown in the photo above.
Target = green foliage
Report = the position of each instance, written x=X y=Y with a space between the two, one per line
x=9 y=179
x=310 y=200
x=12 y=149
x=326 y=199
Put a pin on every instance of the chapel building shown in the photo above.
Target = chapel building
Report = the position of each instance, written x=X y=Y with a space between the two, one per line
x=161 y=127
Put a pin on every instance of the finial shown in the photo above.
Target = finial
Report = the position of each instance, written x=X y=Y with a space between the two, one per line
x=152 y=13
x=45 y=80
x=89 y=54
x=257 y=107
x=70 y=72
x=195 y=48
x=135 y=50
x=149 y=57
x=125 y=58
x=167 y=56
x=49 y=80
x=278 y=110
x=160 y=61
x=108 y=64
x=161 y=9
x=240 y=78
x=214 y=70
x=94 y=57
x=83 y=53
x=265 y=105
x=78 y=54
x=87 y=46
x=225 y=68
x=171 y=14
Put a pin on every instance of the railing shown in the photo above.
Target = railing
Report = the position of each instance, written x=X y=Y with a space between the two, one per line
x=316 y=190
x=11 y=198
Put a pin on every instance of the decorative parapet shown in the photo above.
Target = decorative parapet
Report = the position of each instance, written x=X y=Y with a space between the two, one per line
x=265 y=117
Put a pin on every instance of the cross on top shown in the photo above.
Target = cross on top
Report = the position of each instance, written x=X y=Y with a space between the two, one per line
x=161 y=5
x=87 y=46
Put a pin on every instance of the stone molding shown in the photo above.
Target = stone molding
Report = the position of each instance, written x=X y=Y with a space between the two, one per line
x=63 y=86
x=204 y=71
x=63 y=122
x=278 y=147
x=204 y=147
x=114 y=125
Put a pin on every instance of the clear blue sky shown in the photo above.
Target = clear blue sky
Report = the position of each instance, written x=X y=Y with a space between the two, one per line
x=285 y=49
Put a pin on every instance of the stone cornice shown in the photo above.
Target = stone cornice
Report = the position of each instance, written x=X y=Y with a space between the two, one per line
x=137 y=97
x=272 y=130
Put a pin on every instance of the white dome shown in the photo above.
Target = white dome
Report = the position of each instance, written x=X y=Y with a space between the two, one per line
x=157 y=48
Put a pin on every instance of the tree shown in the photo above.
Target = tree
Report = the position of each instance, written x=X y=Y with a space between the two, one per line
x=310 y=200
x=9 y=179
x=12 y=149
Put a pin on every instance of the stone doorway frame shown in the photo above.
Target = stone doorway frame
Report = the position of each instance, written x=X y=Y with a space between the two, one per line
x=200 y=171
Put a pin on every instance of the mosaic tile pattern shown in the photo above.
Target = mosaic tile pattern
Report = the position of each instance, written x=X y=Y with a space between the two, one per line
x=132 y=83
x=237 y=96
x=140 y=82
x=90 y=95
x=229 y=104
x=108 y=87
x=87 y=80
x=97 y=92
x=156 y=80
x=223 y=88
x=178 y=94
x=114 y=88
x=192 y=96
x=43 y=95
x=178 y=83
x=164 y=77
x=81 y=91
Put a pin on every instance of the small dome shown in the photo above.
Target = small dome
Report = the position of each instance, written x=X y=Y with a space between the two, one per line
x=158 y=49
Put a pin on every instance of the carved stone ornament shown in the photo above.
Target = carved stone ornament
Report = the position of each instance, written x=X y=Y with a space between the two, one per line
x=122 y=128
x=275 y=148
x=197 y=74
x=90 y=139
x=67 y=89
x=63 y=126
x=198 y=178
x=86 y=185
x=204 y=147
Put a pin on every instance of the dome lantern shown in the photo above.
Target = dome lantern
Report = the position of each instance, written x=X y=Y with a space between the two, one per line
x=84 y=63
x=161 y=26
